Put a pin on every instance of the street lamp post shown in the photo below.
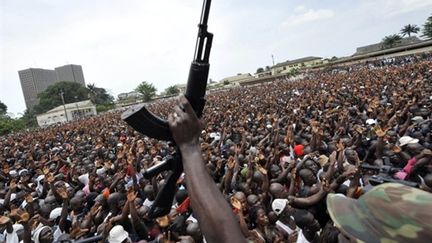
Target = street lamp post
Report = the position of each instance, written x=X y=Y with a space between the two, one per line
x=64 y=106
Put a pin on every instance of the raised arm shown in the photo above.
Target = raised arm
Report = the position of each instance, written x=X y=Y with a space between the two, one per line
x=212 y=211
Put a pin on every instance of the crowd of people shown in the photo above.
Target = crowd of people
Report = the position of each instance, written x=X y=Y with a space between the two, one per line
x=275 y=151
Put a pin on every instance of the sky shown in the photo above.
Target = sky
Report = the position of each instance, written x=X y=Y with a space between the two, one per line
x=122 y=43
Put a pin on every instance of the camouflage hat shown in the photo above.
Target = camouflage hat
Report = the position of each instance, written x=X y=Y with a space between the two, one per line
x=390 y=212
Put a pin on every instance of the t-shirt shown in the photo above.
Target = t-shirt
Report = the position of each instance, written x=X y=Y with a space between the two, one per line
x=12 y=237
x=148 y=203
x=301 y=238
x=286 y=228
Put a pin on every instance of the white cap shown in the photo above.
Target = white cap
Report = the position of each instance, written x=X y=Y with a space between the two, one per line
x=100 y=171
x=55 y=213
x=371 y=121
x=13 y=173
x=22 y=171
x=417 y=119
x=407 y=140
x=278 y=205
x=84 y=179
x=117 y=234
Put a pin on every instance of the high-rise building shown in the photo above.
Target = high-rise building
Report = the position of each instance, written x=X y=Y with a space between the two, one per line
x=36 y=80
x=33 y=82
x=70 y=73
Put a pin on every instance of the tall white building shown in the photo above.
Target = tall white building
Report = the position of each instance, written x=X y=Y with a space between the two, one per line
x=36 y=80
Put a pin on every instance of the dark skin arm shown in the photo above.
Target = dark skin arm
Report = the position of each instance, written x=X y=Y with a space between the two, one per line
x=229 y=174
x=27 y=232
x=331 y=170
x=63 y=216
x=7 y=222
x=118 y=177
x=212 y=211
x=139 y=226
x=12 y=188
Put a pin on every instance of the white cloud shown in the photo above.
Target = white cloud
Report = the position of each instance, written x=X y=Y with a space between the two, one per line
x=303 y=16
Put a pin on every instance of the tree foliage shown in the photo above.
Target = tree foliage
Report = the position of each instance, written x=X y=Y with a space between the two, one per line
x=391 y=40
x=172 y=90
x=410 y=29
x=51 y=97
x=427 y=28
x=99 y=96
x=7 y=124
x=3 y=109
x=260 y=70
x=29 y=118
x=147 y=90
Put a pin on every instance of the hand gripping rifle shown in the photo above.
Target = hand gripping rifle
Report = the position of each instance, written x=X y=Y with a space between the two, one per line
x=148 y=124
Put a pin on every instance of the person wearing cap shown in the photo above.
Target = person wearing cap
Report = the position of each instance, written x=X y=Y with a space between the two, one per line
x=285 y=222
x=390 y=212
x=118 y=235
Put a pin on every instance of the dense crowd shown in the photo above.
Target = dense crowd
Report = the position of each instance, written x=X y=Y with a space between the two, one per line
x=275 y=151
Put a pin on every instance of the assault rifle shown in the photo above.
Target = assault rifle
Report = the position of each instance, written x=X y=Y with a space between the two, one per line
x=148 y=124
x=384 y=174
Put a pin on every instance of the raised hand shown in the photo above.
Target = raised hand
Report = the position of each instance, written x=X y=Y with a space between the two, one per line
x=261 y=169
x=131 y=195
x=63 y=193
x=13 y=185
x=340 y=146
x=231 y=163
x=184 y=124
x=236 y=203
x=379 y=132
x=50 y=178
x=4 y=220
x=29 y=198
x=95 y=209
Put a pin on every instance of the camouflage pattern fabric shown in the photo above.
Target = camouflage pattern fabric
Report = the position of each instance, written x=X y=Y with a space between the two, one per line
x=388 y=213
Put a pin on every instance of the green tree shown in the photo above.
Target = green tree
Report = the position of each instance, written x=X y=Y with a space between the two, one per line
x=427 y=28
x=29 y=118
x=172 y=90
x=260 y=70
x=410 y=29
x=147 y=90
x=8 y=125
x=3 y=109
x=51 y=97
x=391 y=40
x=99 y=96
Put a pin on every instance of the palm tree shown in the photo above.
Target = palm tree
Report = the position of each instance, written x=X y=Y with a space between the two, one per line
x=147 y=90
x=427 y=28
x=409 y=29
x=391 y=40
x=172 y=90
